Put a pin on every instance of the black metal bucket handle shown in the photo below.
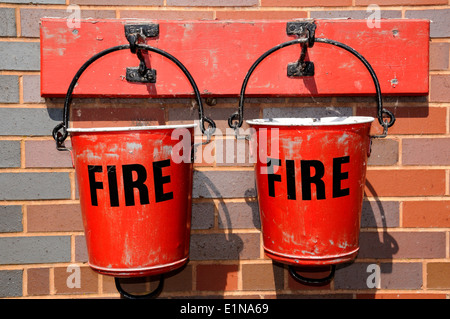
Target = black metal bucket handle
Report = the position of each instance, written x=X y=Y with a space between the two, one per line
x=149 y=295
x=236 y=119
x=60 y=131
x=306 y=280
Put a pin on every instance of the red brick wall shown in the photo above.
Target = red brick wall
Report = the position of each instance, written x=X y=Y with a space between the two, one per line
x=405 y=226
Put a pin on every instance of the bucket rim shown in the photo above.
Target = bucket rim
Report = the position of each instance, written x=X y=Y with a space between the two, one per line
x=130 y=128
x=311 y=121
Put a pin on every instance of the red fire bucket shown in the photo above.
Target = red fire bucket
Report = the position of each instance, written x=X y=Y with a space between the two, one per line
x=310 y=176
x=135 y=198
x=135 y=186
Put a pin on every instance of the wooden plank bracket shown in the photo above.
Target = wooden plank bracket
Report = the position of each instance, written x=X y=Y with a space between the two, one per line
x=218 y=54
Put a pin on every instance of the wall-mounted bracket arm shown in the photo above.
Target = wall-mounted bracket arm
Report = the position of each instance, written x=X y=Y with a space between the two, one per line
x=135 y=34
x=302 y=29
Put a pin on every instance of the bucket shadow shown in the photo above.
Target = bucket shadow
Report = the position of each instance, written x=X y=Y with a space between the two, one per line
x=217 y=245
x=385 y=247
x=373 y=245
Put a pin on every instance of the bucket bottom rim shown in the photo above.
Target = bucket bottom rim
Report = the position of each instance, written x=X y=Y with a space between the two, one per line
x=311 y=260
x=139 y=272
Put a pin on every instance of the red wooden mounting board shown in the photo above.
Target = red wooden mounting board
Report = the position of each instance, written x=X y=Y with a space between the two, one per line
x=218 y=54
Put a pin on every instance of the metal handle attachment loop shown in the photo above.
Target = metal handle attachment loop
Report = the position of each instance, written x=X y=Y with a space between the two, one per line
x=66 y=111
x=236 y=119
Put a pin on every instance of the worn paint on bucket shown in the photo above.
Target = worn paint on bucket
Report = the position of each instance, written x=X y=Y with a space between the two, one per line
x=135 y=198
x=310 y=176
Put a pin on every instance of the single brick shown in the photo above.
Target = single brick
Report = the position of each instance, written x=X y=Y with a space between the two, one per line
x=262 y=276
x=225 y=246
x=439 y=56
x=213 y=3
x=204 y=154
x=114 y=116
x=402 y=245
x=439 y=26
x=48 y=218
x=45 y=154
x=392 y=276
x=401 y=276
x=437 y=275
x=35 y=249
x=11 y=219
x=274 y=112
x=384 y=152
x=9 y=89
x=75 y=279
x=260 y=15
x=380 y=214
x=440 y=87
x=11 y=283
x=233 y=152
x=203 y=215
x=426 y=151
x=8 y=22
x=405 y=182
x=9 y=153
x=118 y=2
x=411 y=120
x=35 y=1
x=20 y=56
x=378 y=295
x=38 y=281
x=217 y=277
x=355 y=14
x=210 y=184
x=399 y=2
x=81 y=253
x=426 y=214
x=239 y=215
x=32 y=89
x=24 y=186
x=28 y=121
x=306 y=3
x=179 y=280
x=29 y=18
x=167 y=14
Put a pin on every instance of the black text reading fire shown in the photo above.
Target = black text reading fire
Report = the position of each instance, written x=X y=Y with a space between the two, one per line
x=307 y=178
x=130 y=183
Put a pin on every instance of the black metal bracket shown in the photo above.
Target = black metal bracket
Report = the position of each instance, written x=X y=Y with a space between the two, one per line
x=138 y=33
x=302 y=29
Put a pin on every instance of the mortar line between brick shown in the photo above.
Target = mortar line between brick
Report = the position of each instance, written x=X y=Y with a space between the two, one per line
x=424 y=275
x=22 y=154
x=447 y=238
x=18 y=24
x=25 y=219
x=447 y=183
x=25 y=282
x=51 y=280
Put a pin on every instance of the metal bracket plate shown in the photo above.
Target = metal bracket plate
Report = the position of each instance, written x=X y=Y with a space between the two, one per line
x=136 y=33
x=143 y=30
x=302 y=29
x=133 y=75
x=296 y=69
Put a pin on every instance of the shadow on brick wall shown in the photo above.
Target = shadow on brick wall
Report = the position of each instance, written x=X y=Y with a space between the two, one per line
x=366 y=271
